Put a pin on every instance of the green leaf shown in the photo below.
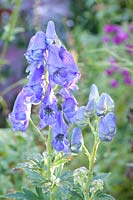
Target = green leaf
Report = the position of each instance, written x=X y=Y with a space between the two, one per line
x=29 y=195
x=34 y=176
x=40 y=193
x=102 y=196
x=25 y=195
x=18 y=195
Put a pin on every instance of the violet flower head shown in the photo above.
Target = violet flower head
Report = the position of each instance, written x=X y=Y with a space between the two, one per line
x=111 y=28
x=76 y=140
x=114 y=83
x=127 y=76
x=104 y=104
x=107 y=127
x=125 y=72
x=109 y=71
x=36 y=48
x=20 y=114
x=120 y=37
x=112 y=69
x=36 y=85
x=48 y=110
x=127 y=80
x=60 y=134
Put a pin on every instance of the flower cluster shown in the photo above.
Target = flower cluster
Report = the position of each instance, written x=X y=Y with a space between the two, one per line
x=53 y=75
x=115 y=72
x=115 y=34
x=102 y=108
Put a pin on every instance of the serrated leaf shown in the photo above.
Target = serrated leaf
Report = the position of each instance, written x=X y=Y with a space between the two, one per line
x=102 y=196
x=18 y=195
x=34 y=176
x=29 y=195
x=40 y=193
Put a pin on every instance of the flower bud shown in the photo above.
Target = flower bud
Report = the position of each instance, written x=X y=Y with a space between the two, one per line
x=76 y=140
x=81 y=116
x=104 y=104
x=93 y=98
x=107 y=127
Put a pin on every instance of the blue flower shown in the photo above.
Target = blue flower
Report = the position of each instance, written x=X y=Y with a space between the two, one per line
x=81 y=116
x=60 y=134
x=70 y=105
x=93 y=98
x=107 y=127
x=76 y=140
x=48 y=110
x=51 y=36
x=20 y=114
x=36 y=85
x=36 y=48
x=61 y=67
x=104 y=104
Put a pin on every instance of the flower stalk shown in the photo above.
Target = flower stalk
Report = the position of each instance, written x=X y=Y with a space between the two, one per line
x=91 y=166
x=49 y=150
x=38 y=131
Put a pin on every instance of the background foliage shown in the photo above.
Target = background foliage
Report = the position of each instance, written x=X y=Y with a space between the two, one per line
x=83 y=35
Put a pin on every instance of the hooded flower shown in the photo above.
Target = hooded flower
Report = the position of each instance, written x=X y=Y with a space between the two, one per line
x=61 y=67
x=107 y=127
x=70 y=105
x=93 y=98
x=36 y=49
x=60 y=134
x=51 y=36
x=20 y=114
x=48 y=110
x=104 y=104
x=81 y=116
x=36 y=85
x=76 y=140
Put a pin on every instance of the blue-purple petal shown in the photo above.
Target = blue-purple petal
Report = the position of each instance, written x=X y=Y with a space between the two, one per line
x=76 y=140
x=60 y=134
x=107 y=127
x=20 y=114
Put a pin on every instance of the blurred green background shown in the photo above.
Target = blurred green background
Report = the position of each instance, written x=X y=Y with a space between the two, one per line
x=80 y=25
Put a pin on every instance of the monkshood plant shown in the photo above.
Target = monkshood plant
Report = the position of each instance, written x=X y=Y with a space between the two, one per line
x=53 y=75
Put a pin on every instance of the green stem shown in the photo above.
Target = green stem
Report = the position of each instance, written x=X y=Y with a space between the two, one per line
x=91 y=166
x=49 y=150
x=12 y=24
x=86 y=152
x=38 y=131
x=91 y=127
